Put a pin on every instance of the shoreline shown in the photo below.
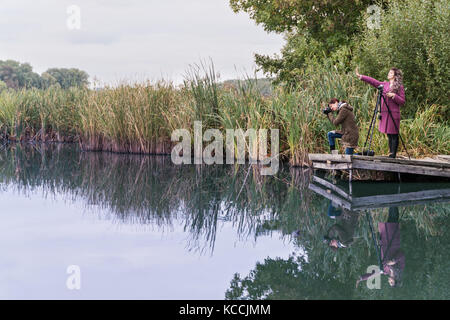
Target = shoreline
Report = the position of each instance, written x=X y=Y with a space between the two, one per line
x=358 y=175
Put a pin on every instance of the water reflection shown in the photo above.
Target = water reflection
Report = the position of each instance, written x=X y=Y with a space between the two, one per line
x=150 y=190
x=410 y=246
x=340 y=234
x=388 y=249
x=331 y=229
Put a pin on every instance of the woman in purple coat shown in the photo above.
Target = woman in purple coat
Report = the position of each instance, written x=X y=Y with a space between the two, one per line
x=394 y=93
x=392 y=257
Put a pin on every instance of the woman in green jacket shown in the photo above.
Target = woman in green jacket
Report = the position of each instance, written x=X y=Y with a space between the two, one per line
x=349 y=133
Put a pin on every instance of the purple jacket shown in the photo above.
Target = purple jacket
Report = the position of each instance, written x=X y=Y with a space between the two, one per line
x=386 y=124
x=390 y=248
x=390 y=245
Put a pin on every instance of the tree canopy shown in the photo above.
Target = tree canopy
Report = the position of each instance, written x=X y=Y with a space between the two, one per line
x=314 y=29
x=66 y=78
x=412 y=35
x=18 y=75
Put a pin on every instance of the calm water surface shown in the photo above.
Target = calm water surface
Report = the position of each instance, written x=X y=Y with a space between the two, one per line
x=139 y=227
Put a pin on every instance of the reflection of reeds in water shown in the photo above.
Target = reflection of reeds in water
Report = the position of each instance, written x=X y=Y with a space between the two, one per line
x=151 y=190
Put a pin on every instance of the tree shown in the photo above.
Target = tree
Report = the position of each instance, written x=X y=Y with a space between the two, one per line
x=66 y=78
x=3 y=86
x=48 y=80
x=414 y=36
x=291 y=279
x=314 y=29
x=18 y=75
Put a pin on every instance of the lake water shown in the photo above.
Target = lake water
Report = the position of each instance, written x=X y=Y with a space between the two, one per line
x=139 y=227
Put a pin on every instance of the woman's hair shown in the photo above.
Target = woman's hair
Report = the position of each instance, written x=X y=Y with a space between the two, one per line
x=397 y=271
x=398 y=80
x=333 y=101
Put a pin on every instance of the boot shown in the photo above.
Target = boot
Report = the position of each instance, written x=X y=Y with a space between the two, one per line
x=332 y=148
x=394 y=146
x=390 y=144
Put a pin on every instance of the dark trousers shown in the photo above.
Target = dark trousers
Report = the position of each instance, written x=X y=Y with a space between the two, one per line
x=393 y=214
x=332 y=211
x=393 y=144
x=332 y=136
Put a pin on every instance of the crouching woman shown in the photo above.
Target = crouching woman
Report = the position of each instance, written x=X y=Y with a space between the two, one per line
x=349 y=133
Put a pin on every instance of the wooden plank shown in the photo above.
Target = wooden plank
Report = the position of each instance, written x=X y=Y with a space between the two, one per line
x=443 y=158
x=437 y=164
x=332 y=187
x=323 y=157
x=410 y=198
x=400 y=204
x=395 y=167
x=330 y=196
x=332 y=166
x=384 y=201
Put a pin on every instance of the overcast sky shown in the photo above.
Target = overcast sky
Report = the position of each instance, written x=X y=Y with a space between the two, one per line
x=132 y=39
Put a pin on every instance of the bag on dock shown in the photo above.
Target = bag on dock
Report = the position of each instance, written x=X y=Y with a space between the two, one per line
x=369 y=153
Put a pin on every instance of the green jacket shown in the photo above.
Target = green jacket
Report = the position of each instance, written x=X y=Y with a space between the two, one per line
x=349 y=131
x=345 y=227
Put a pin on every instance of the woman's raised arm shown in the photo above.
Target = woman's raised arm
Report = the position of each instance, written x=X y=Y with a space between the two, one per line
x=371 y=81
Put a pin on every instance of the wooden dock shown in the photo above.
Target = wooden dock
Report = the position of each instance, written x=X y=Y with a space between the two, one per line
x=438 y=167
x=347 y=200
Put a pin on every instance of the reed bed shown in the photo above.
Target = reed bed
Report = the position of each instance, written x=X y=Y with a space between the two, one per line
x=139 y=118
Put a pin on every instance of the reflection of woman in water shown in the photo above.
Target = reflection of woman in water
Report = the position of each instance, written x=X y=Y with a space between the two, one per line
x=340 y=235
x=392 y=258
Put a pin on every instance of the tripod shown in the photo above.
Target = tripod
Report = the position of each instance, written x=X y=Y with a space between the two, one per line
x=375 y=242
x=373 y=121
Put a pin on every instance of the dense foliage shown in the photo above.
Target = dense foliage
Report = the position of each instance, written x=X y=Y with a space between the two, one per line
x=415 y=38
x=412 y=35
x=16 y=75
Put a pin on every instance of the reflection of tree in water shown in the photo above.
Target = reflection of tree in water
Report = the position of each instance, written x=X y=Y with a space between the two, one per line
x=289 y=279
x=152 y=191
x=425 y=242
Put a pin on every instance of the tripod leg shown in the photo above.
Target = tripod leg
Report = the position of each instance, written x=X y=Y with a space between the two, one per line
x=396 y=127
x=371 y=134
x=370 y=128
x=374 y=119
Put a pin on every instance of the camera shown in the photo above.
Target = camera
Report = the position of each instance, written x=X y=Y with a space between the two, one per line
x=327 y=110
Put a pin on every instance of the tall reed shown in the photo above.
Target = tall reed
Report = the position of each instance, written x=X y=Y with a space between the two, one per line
x=140 y=117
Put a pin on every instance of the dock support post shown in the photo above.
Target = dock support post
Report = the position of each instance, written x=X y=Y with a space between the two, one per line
x=350 y=175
